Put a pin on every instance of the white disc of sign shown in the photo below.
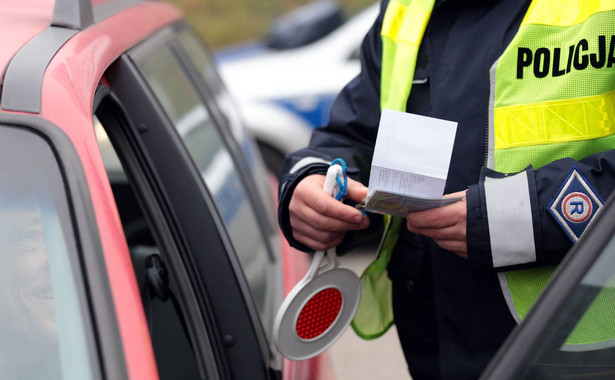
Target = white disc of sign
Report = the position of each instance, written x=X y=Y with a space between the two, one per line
x=318 y=309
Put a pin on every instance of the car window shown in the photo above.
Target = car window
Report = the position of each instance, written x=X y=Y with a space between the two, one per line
x=204 y=142
x=580 y=341
x=203 y=61
x=44 y=334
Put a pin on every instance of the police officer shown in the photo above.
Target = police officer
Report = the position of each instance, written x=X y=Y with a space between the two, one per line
x=531 y=85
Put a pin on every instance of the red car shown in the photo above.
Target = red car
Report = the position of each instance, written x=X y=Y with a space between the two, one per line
x=138 y=227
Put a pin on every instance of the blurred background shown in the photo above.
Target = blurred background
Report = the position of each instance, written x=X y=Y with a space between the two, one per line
x=284 y=61
x=229 y=22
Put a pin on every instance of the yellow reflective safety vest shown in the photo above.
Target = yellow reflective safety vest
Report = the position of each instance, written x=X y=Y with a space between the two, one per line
x=402 y=31
x=541 y=109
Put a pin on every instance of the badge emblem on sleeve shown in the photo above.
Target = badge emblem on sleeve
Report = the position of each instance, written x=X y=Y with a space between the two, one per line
x=575 y=205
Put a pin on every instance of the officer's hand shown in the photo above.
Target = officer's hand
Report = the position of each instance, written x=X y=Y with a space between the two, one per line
x=446 y=225
x=318 y=220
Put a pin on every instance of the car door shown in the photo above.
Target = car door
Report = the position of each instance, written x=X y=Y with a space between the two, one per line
x=570 y=332
x=202 y=218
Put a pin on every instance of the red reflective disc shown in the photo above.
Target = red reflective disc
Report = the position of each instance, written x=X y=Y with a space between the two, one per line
x=319 y=313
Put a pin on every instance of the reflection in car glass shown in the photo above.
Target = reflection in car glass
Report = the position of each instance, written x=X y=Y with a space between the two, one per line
x=580 y=342
x=210 y=154
x=204 y=63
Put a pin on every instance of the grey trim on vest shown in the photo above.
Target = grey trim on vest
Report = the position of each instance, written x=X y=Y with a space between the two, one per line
x=508 y=297
x=509 y=215
x=23 y=80
x=490 y=148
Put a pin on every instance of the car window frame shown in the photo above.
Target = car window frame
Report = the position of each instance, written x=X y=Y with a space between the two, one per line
x=155 y=133
x=527 y=338
x=88 y=266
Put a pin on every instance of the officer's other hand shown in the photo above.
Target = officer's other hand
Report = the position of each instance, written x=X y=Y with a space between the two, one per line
x=446 y=225
x=318 y=220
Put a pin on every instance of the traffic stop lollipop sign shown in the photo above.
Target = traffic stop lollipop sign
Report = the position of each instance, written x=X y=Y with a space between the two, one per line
x=320 y=307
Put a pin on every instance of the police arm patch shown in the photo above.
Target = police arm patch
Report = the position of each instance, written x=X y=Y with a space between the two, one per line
x=575 y=205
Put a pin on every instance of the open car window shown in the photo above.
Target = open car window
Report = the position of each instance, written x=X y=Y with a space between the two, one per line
x=183 y=160
x=162 y=299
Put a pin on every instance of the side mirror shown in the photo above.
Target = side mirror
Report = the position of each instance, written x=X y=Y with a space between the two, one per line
x=304 y=25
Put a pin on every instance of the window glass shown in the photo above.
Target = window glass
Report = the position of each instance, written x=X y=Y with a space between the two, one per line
x=205 y=144
x=205 y=65
x=43 y=331
x=204 y=62
x=580 y=342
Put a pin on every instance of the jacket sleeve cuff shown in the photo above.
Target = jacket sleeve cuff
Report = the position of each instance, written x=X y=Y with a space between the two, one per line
x=502 y=210
x=477 y=231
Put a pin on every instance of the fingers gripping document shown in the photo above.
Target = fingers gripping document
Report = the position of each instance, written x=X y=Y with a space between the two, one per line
x=410 y=164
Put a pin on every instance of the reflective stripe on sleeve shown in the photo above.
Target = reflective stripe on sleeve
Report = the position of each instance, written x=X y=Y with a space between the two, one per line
x=510 y=220
x=307 y=161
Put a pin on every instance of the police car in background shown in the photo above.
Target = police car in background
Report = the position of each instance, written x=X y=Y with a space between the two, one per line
x=285 y=91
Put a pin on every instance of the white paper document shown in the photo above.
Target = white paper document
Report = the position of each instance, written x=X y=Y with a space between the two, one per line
x=410 y=163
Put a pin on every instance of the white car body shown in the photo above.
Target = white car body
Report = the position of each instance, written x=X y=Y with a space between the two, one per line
x=284 y=94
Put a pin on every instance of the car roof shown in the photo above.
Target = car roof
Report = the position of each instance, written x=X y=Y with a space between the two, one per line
x=20 y=20
x=46 y=57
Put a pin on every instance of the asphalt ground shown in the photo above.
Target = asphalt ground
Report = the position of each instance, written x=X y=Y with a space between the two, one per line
x=357 y=359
